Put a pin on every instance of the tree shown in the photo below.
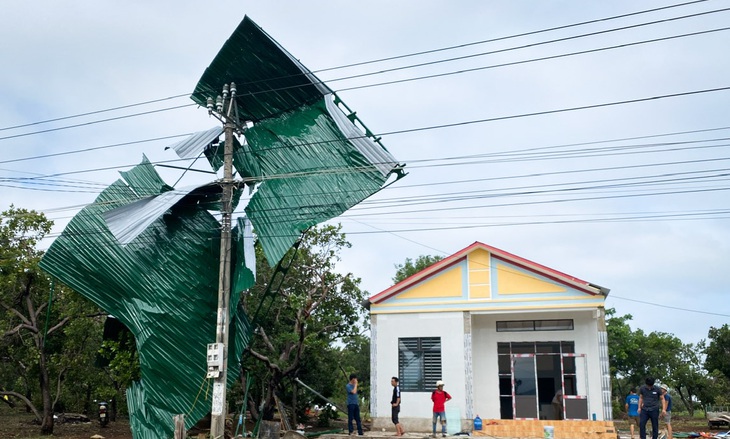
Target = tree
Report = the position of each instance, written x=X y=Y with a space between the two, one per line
x=314 y=308
x=718 y=350
x=409 y=268
x=634 y=355
x=33 y=325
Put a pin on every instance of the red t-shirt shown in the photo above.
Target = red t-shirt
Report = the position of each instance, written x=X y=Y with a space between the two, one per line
x=439 y=398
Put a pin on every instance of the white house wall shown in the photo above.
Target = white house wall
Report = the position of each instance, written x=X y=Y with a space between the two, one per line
x=447 y=325
x=484 y=351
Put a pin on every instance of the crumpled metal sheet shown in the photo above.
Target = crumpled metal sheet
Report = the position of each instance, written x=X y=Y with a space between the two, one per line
x=127 y=222
x=311 y=171
x=163 y=286
x=269 y=80
x=192 y=146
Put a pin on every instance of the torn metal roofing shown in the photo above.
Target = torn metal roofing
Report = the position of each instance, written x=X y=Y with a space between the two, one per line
x=269 y=80
x=192 y=146
x=163 y=287
x=311 y=171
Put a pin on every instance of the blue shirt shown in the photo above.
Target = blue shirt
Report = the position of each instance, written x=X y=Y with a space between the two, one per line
x=668 y=397
x=351 y=397
x=633 y=401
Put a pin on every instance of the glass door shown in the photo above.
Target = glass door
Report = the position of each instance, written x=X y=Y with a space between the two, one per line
x=524 y=386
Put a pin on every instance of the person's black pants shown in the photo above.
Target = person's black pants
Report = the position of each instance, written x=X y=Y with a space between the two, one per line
x=353 y=412
x=644 y=416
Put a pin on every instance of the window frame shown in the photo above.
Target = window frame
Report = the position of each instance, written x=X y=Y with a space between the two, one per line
x=427 y=352
x=534 y=325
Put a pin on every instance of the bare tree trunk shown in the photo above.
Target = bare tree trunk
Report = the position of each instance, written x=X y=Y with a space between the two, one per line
x=47 y=421
x=294 y=406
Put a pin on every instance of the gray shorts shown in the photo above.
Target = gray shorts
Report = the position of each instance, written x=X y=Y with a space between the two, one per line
x=668 y=417
x=633 y=420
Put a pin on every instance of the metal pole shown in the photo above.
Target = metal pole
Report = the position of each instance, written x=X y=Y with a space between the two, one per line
x=319 y=394
x=218 y=411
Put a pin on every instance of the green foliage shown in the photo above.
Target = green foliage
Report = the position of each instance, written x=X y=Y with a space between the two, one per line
x=634 y=355
x=718 y=350
x=49 y=334
x=300 y=333
x=409 y=267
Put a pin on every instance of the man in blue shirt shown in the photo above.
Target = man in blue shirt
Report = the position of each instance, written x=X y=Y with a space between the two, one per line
x=353 y=405
x=632 y=408
x=668 y=415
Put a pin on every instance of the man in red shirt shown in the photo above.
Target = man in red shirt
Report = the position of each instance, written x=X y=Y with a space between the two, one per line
x=439 y=398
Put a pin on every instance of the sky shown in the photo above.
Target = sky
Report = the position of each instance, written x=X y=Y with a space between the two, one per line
x=600 y=150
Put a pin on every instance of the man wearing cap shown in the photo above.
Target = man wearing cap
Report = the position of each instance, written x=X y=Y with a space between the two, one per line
x=439 y=398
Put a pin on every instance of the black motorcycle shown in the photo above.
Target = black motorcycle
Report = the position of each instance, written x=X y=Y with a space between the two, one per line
x=103 y=414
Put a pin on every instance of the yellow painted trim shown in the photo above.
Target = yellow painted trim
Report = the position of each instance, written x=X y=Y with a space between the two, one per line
x=479 y=277
x=444 y=284
x=510 y=308
x=514 y=281
x=480 y=291
x=486 y=301
x=479 y=263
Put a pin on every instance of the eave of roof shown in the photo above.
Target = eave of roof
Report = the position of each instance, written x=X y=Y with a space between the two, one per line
x=497 y=253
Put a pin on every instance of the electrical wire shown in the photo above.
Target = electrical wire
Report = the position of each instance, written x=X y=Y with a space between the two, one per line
x=463 y=123
x=276 y=90
x=391 y=58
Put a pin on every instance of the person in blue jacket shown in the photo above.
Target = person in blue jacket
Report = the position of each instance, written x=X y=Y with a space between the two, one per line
x=632 y=409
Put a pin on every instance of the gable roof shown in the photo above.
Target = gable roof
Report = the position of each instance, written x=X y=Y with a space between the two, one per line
x=457 y=257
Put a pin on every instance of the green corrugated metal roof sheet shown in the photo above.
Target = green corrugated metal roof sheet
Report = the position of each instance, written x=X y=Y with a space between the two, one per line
x=311 y=172
x=269 y=80
x=163 y=287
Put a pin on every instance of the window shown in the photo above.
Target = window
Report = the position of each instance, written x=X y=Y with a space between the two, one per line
x=535 y=325
x=419 y=363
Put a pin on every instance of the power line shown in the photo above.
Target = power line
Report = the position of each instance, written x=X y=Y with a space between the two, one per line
x=670 y=307
x=476 y=121
x=395 y=81
x=459 y=46
x=93 y=122
x=96 y=148
x=524 y=34
x=542 y=43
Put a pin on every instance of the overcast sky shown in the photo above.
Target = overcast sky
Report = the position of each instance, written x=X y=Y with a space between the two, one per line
x=647 y=217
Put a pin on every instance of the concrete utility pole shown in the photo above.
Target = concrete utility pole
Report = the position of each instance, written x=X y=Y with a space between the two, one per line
x=218 y=352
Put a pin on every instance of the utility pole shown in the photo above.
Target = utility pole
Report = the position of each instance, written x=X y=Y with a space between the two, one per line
x=218 y=352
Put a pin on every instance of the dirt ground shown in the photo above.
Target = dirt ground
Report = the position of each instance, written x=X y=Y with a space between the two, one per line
x=679 y=424
x=17 y=424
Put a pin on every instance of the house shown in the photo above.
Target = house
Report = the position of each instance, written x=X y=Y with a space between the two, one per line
x=504 y=333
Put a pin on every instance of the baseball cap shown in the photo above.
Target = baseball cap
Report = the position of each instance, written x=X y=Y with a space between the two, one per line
x=439 y=383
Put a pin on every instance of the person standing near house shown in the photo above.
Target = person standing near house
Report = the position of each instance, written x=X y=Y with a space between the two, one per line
x=439 y=398
x=557 y=403
x=651 y=402
x=395 y=406
x=668 y=413
x=632 y=409
x=353 y=405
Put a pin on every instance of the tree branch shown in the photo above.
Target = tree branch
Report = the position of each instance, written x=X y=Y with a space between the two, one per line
x=265 y=360
x=16 y=312
x=58 y=325
x=266 y=339
x=18 y=328
x=25 y=400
